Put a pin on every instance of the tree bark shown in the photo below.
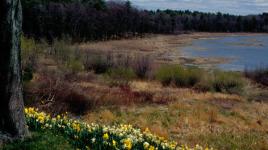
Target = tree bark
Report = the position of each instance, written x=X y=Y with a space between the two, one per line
x=12 y=120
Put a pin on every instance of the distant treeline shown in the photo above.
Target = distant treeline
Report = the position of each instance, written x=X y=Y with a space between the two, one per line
x=84 y=20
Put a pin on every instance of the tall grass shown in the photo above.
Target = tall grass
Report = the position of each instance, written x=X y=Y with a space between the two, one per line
x=218 y=81
x=228 y=82
x=178 y=75
x=121 y=76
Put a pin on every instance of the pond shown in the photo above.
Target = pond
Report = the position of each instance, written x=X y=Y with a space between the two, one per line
x=242 y=52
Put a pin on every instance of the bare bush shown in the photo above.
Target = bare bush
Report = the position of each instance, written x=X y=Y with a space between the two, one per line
x=51 y=92
x=98 y=63
x=142 y=65
x=102 y=63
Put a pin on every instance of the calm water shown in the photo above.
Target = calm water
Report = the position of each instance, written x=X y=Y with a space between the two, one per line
x=244 y=51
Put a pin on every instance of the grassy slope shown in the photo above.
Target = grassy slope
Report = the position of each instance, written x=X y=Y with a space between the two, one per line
x=219 y=120
x=194 y=122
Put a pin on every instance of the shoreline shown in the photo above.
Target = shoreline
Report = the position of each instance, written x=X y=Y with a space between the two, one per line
x=162 y=49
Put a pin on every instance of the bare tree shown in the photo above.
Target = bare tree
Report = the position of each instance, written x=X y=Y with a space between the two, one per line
x=12 y=120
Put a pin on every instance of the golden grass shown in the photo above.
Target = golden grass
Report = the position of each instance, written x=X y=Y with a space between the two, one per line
x=188 y=114
x=180 y=114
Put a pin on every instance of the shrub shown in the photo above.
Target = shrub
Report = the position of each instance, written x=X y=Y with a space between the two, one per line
x=195 y=75
x=187 y=77
x=165 y=74
x=205 y=84
x=77 y=102
x=99 y=63
x=102 y=63
x=75 y=65
x=228 y=82
x=121 y=76
x=142 y=65
x=259 y=75
x=218 y=81
x=180 y=76
x=51 y=91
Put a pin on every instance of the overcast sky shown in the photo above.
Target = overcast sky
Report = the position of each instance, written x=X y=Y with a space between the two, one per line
x=241 y=7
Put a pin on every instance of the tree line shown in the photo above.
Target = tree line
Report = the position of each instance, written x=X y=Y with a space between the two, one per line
x=85 y=20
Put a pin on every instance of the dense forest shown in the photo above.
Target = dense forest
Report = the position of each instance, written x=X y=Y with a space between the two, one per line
x=86 y=20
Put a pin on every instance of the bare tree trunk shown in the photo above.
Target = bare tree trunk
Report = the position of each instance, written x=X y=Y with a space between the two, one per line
x=12 y=120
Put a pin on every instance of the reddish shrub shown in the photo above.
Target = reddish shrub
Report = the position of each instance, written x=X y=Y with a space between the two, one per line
x=56 y=95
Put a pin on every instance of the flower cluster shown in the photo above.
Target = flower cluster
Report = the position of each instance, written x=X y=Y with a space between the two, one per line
x=94 y=136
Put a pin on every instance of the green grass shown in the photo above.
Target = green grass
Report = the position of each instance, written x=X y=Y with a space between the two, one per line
x=200 y=79
x=40 y=141
x=178 y=75
x=228 y=82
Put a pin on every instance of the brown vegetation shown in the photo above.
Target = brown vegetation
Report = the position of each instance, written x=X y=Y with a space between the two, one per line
x=126 y=90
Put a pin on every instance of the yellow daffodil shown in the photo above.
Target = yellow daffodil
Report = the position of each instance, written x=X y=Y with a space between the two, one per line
x=128 y=144
x=76 y=127
x=105 y=136
x=151 y=148
x=41 y=119
x=129 y=137
x=26 y=110
x=114 y=143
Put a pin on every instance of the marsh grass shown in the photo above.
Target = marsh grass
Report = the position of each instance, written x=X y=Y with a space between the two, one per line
x=218 y=81
x=228 y=82
x=178 y=75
